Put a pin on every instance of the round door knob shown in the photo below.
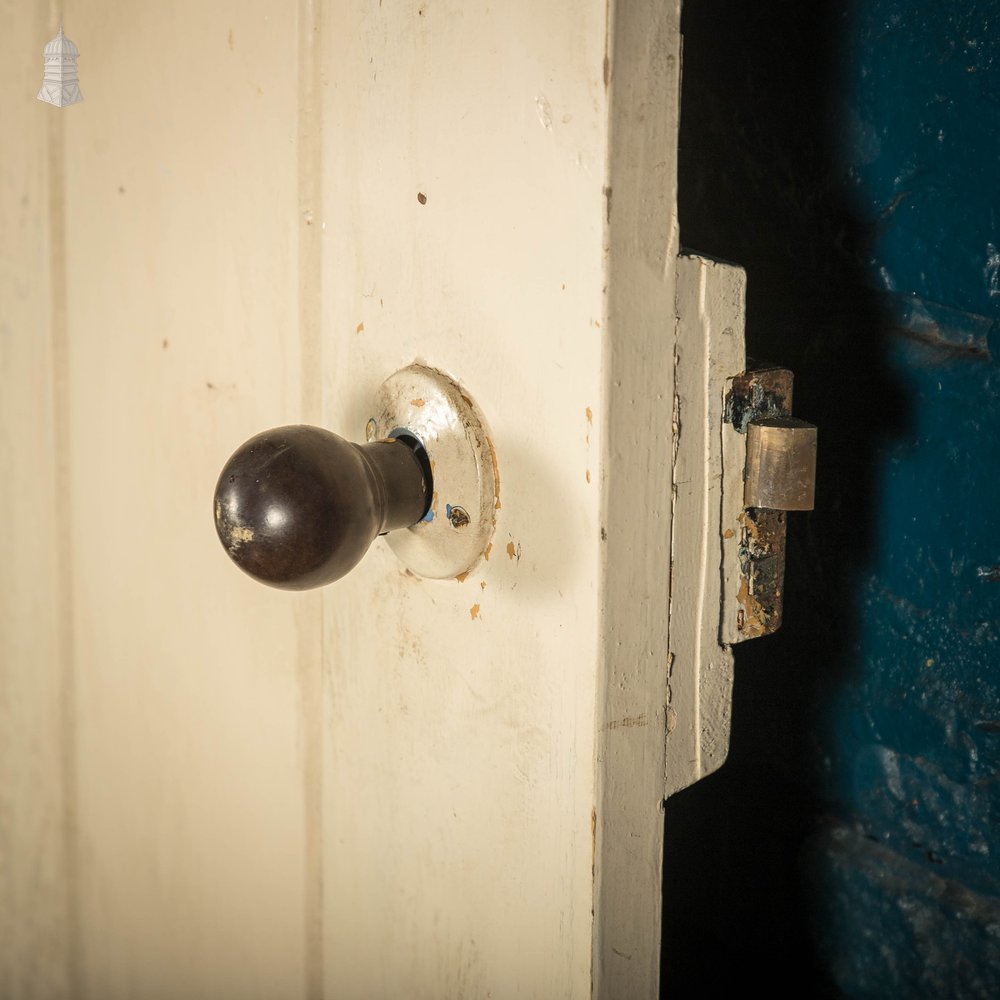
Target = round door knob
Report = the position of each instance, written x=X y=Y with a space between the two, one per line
x=297 y=507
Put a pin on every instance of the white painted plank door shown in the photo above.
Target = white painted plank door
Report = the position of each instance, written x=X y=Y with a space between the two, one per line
x=392 y=787
x=34 y=712
x=164 y=787
x=499 y=202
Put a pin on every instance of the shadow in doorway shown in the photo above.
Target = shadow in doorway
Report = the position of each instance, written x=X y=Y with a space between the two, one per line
x=761 y=184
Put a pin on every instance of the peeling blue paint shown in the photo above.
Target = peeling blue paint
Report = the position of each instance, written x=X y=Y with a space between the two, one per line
x=920 y=140
x=912 y=889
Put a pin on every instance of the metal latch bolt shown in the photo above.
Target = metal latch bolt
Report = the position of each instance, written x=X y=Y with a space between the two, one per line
x=781 y=464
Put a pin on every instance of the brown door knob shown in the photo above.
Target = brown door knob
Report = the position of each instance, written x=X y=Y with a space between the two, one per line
x=297 y=507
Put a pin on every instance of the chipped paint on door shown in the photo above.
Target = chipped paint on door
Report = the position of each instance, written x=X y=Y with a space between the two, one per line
x=397 y=786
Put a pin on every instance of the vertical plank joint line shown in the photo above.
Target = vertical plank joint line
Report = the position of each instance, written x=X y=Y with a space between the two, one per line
x=60 y=402
x=311 y=656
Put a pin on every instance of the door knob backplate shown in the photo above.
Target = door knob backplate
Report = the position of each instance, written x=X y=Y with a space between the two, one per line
x=426 y=404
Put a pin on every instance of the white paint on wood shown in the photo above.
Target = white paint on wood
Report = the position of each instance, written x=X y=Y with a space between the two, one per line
x=643 y=73
x=35 y=726
x=708 y=498
x=192 y=738
x=463 y=233
x=398 y=786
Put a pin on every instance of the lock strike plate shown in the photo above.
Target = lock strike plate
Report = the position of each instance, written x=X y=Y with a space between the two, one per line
x=778 y=454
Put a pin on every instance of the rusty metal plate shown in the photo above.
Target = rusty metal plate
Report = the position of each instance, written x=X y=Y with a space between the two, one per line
x=761 y=393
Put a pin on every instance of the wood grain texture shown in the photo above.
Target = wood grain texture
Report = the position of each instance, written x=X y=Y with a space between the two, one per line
x=641 y=233
x=708 y=502
x=35 y=869
x=398 y=787
x=182 y=198
x=464 y=151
